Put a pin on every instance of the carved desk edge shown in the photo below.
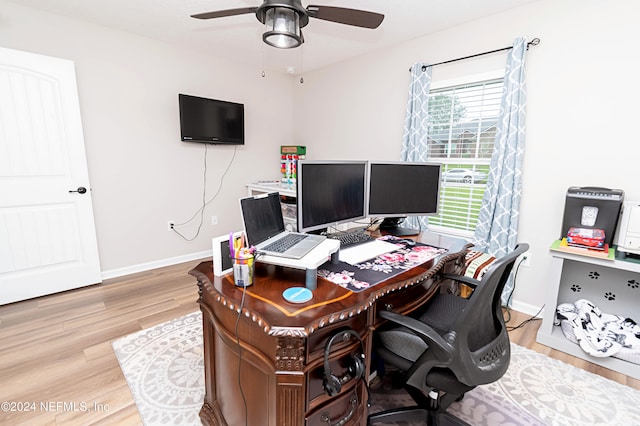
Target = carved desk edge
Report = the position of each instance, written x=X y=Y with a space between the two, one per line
x=203 y=281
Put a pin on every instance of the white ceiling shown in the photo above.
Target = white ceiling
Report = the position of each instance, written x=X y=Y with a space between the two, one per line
x=239 y=38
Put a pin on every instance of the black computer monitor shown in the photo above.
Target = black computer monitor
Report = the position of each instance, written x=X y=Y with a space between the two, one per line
x=330 y=193
x=401 y=189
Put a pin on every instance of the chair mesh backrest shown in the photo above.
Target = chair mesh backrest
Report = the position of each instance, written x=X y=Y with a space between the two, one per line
x=482 y=338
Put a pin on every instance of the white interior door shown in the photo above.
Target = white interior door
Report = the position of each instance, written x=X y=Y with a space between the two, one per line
x=47 y=232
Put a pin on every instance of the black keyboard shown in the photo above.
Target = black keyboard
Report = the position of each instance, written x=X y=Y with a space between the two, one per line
x=351 y=238
x=285 y=243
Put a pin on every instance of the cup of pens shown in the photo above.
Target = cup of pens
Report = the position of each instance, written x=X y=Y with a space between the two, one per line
x=243 y=269
x=243 y=261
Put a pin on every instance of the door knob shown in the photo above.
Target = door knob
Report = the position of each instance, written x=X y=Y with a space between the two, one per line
x=80 y=190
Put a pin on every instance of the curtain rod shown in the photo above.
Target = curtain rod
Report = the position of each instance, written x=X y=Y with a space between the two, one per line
x=534 y=42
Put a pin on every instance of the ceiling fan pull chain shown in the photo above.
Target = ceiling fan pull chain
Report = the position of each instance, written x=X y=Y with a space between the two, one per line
x=262 y=47
x=301 y=64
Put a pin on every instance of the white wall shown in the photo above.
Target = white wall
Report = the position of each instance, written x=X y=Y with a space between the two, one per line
x=141 y=174
x=582 y=89
x=582 y=94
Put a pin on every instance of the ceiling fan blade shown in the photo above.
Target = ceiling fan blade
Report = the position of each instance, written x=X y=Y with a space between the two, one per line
x=342 y=15
x=223 y=13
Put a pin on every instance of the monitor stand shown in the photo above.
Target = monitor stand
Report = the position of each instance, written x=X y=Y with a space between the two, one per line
x=321 y=231
x=391 y=225
x=309 y=262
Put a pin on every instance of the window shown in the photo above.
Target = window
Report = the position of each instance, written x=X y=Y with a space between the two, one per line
x=462 y=129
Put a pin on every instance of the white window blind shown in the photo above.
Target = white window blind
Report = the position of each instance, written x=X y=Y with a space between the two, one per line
x=462 y=129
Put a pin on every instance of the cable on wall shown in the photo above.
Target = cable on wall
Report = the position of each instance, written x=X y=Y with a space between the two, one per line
x=508 y=309
x=205 y=203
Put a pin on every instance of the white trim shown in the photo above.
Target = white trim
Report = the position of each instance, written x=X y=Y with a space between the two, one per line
x=142 y=267
x=526 y=308
x=451 y=232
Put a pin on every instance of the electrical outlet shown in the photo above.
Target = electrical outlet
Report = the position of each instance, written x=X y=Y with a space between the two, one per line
x=526 y=259
x=170 y=225
x=214 y=220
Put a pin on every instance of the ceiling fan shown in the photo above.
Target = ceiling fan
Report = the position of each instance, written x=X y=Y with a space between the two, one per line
x=283 y=19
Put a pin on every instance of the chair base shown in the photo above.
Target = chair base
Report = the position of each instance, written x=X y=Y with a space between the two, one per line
x=415 y=414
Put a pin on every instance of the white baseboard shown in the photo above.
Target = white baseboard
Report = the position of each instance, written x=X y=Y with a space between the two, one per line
x=526 y=308
x=142 y=267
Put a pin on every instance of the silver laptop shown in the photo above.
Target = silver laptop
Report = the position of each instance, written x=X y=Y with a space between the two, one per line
x=264 y=228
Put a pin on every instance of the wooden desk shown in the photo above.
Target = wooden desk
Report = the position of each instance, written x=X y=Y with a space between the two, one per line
x=263 y=350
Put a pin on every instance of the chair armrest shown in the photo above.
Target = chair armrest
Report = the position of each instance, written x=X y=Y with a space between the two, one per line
x=422 y=330
x=472 y=282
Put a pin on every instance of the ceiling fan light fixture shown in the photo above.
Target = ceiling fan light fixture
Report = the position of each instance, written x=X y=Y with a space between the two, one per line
x=284 y=19
x=282 y=28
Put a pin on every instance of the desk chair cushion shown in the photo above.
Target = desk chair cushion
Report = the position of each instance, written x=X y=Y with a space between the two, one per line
x=403 y=343
x=437 y=313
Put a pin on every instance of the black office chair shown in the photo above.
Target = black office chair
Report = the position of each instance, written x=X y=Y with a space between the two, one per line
x=449 y=346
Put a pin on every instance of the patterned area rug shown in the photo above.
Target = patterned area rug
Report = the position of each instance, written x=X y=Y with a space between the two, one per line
x=164 y=368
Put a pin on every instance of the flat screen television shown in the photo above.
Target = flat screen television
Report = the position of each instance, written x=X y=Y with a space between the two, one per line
x=401 y=189
x=210 y=120
x=330 y=193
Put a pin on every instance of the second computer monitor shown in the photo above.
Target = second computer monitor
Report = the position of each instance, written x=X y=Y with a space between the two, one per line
x=330 y=193
x=400 y=189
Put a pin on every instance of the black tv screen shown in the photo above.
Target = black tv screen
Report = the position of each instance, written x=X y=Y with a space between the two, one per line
x=211 y=120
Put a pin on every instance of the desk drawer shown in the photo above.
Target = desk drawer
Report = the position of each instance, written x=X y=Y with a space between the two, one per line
x=341 y=367
x=318 y=340
x=344 y=410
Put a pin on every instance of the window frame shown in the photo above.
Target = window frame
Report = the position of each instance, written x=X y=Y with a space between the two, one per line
x=436 y=85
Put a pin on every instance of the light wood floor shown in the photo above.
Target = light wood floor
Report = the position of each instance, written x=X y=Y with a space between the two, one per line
x=57 y=364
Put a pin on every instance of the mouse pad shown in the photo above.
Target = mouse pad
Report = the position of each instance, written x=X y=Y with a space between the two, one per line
x=374 y=271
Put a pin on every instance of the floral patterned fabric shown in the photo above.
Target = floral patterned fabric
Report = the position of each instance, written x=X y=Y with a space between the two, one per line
x=369 y=273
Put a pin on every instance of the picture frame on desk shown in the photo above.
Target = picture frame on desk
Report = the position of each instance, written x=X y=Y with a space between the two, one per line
x=222 y=254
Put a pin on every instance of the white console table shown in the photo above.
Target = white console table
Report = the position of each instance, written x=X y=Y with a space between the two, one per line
x=270 y=186
x=612 y=285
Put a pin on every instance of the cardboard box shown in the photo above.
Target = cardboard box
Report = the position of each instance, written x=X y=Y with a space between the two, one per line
x=293 y=149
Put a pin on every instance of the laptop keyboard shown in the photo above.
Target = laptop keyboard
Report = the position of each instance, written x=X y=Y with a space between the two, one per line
x=284 y=243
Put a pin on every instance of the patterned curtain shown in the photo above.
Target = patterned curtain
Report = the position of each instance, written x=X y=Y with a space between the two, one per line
x=497 y=229
x=414 y=140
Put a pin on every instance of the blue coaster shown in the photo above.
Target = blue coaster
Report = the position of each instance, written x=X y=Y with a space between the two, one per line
x=297 y=295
